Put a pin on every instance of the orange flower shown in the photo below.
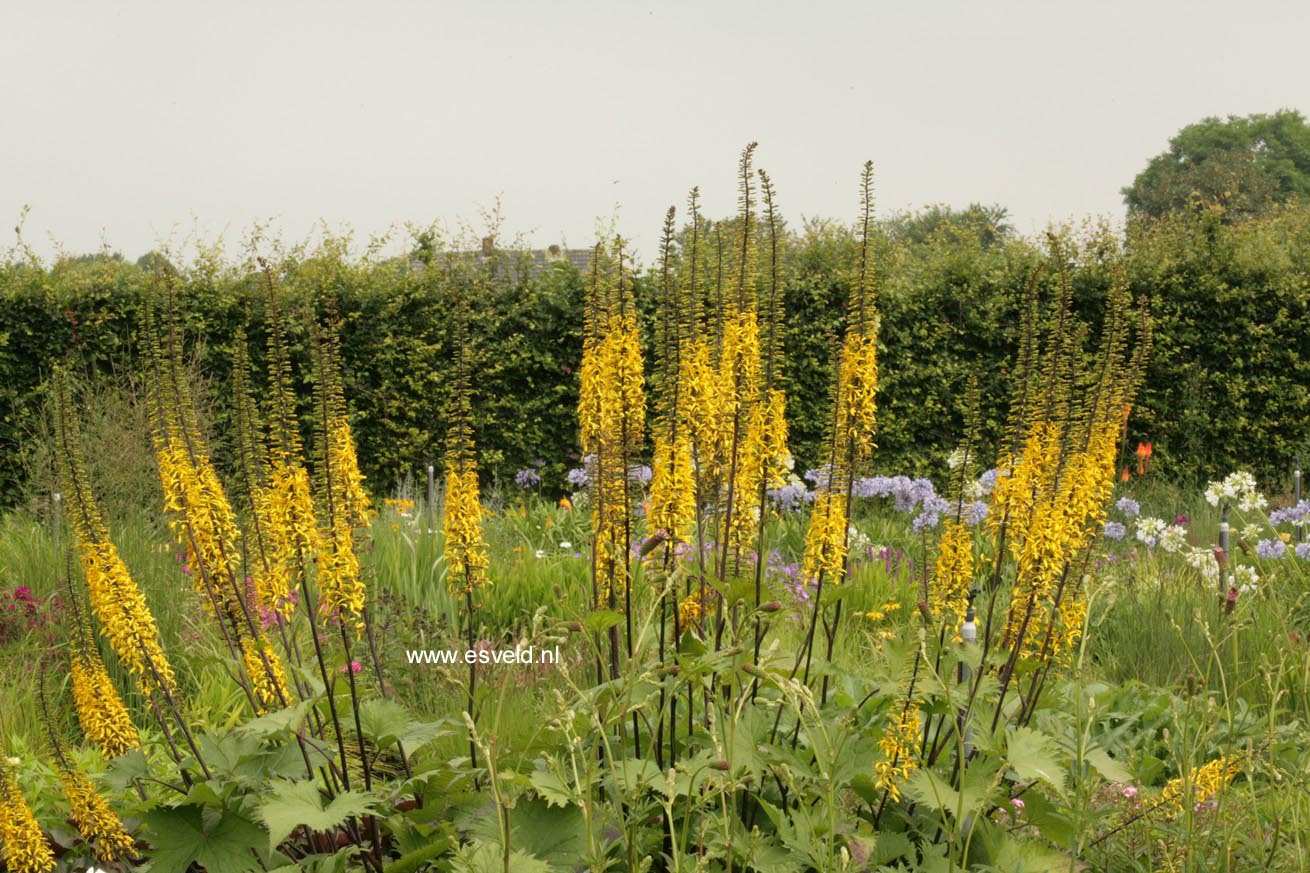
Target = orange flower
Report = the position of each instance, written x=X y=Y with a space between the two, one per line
x=1125 y=474
x=565 y=503
x=1143 y=457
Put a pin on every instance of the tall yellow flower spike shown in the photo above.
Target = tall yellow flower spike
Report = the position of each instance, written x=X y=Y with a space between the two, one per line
x=899 y=746
x=22 y=844
x=467 y=558
x=952 y=574
x=100 y=710
x=672 y=491
x=98 y=824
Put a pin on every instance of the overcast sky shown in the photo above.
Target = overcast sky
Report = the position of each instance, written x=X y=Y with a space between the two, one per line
x=138 y=123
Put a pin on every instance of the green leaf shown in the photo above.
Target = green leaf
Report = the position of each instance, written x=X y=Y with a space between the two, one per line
x=288 y=805
x=554 y=790
x=558 y=836
x=387 y=723
x=487 y=857
x=225 y=843
x=1033 y=757
x=125 y=769
x=1107 y=766
x=602 y=620
x=931 y=790
x=281 y=721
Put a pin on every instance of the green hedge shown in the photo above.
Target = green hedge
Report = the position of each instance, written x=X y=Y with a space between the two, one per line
x=1229 y=383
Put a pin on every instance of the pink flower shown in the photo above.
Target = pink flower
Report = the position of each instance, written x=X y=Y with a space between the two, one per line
x=1017 y=804
x=355 y=667
x=1130 y=791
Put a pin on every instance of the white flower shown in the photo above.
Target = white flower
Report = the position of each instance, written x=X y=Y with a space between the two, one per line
x=1252 y=501
x=14 y=762
x=857 y=541
x=1202 y=560
x=1149 y=529
x=541 y=553
x=565 y=544
x=1236 y=488
x=1173 y=538
x=1245 y=577
x=955 y=459
x=1251 y=532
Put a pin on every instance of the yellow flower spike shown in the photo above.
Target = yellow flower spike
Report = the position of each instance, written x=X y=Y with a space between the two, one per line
x=857 y=394
x=825 y=540
x=338 y=577
x=899 y=744
x=290 y=533
x=22 y=843
x=467 y=558
x=953 y=573
x=98 y=824
x=690 y=609
x=1205 y=783
x=117 y=602
x=100 y=710
x=266 y=673
x=672 y=490
x=124 y=617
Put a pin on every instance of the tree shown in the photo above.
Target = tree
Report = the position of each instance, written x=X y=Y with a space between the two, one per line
x=1244 y=165
x=988 y=224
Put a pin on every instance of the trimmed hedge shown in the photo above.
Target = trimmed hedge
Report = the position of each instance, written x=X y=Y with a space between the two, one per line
x=1228 y=387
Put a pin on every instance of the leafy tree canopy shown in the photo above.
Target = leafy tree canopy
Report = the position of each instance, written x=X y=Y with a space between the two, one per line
x=1244 y=165
x=989 y=224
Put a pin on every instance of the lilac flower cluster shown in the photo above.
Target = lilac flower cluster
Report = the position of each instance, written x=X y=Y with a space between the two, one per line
x=1291 y=514
x=789 y=497
x=908 y=496
x=1114 y=530
x=529 y=478
x=580 y=477
x=1128 y=506
x=1270 y=550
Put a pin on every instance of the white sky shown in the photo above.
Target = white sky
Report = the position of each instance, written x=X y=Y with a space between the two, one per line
x=136 y=123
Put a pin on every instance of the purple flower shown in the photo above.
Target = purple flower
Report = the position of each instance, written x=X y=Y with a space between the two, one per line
x=820 y=473
x=1182 y=520
x=1128 y=506
x=932 y=507
x=1114 y=530
x=975 y=513
x=789 y=497
x=1270 y=550
x=639 y=473
x=579 y=477
x=1292 y=514
x=527 y=478
x=1303 y=551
